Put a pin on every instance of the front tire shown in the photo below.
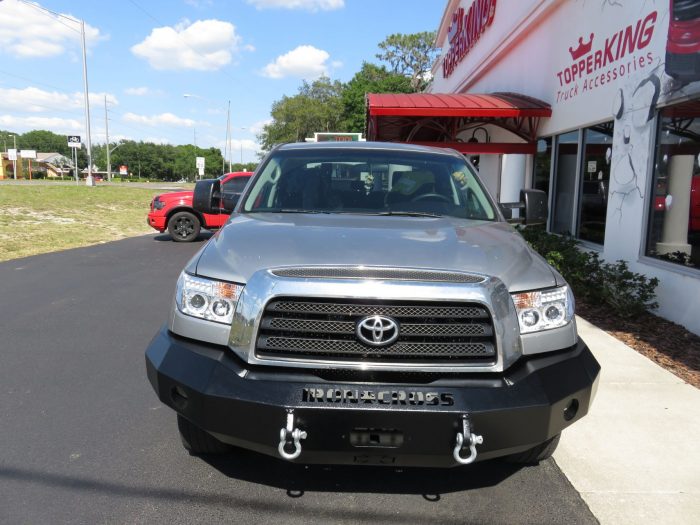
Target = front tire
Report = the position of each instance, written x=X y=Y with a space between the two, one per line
x=197 y=441
x=184 y=226
x=536 y=454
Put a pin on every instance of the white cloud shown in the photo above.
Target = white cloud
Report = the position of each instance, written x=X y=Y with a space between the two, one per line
x=164 y=119
x=238 y=146
x=55 y=124
x=304 y=62
x=205 y=45
x=257 y=127
x=35 y=100
x=137 y=91
x=307 y=5
x=157 y=140
x=29 y=32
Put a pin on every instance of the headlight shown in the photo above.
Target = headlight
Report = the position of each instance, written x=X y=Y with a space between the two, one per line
x=158 y=204
x=206 y=298
x=544 y=309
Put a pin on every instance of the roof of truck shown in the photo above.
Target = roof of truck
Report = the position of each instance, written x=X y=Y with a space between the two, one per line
x=392 y=146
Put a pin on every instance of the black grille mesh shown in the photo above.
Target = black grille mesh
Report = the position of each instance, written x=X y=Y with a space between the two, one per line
x=430 y=332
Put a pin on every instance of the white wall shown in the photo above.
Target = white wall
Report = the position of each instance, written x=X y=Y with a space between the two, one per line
x=526 y=50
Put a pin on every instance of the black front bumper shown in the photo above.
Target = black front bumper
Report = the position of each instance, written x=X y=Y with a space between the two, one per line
x=408 y=421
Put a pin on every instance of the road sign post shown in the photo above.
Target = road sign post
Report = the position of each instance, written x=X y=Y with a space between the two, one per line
x=74 y=143
x=12 y=155
x=28 y=154
x=199 y=162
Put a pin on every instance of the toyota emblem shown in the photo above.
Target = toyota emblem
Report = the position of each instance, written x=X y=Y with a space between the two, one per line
x=377 y=330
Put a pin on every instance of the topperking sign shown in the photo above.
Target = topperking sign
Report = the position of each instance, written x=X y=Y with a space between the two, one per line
x=465 y=30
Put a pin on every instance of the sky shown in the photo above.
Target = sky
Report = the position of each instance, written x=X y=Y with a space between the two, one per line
x=144 y=56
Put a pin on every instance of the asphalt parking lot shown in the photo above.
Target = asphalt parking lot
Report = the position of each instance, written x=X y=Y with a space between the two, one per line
x=83 y=438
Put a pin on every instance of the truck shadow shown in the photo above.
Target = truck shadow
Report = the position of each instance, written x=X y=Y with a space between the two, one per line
x=204 y=236
x=297 y=479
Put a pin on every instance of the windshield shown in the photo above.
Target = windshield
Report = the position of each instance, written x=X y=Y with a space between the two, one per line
x=368 y=182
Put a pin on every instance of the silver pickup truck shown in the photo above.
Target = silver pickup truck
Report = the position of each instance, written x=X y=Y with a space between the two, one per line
x=368 y=303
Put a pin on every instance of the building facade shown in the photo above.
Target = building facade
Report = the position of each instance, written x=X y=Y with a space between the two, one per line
x=619 y=155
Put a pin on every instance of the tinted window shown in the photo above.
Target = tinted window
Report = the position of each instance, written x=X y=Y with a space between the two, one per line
x=597 y=152
x=368 y=181
x=236 y=185
x=674 y=220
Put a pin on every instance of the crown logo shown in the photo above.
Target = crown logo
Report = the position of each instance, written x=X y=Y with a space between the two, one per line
x=582 y=48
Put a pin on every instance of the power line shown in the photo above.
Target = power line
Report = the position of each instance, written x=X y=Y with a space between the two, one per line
x=45 y=11
x=33 y=81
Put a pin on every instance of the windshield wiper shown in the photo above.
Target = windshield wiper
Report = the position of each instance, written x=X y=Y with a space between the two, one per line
x=408 y=213
x=289 y=210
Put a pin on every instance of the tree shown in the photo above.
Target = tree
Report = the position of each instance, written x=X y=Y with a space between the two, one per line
x=317 y=107
x=45 y=142
x=410 y=55
x=370 y=79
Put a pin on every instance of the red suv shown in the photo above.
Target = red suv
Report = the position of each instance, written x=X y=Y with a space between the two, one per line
x=174 y=211
x=683 y=45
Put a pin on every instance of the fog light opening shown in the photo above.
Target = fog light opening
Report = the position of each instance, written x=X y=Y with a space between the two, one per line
x=179 y=398
x=571 y=410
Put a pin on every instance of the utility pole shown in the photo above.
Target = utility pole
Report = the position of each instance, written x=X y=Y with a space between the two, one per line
x=88 y=180
x=228 y=135
x=109 y=163
x=14 y=162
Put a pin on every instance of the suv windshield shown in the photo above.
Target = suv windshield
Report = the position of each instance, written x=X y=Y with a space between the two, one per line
x=368 y=182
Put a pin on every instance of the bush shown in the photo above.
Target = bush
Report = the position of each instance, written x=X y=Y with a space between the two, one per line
x=592 y=279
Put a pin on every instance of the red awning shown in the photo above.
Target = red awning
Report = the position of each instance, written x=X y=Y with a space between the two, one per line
x=497 y=105
x=444 y=120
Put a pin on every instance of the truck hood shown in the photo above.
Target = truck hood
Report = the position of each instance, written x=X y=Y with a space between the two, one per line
x=252 y=242
x=176 y=196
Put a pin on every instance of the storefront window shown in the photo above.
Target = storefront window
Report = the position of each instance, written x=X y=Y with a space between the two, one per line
x=565 y=183
x=674 y=220
x=595 y=179
x=543 y=164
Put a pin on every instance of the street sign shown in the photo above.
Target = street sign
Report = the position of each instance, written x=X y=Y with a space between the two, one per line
x=74 y=141
x=200 y=163
x=123 y=170
x=28 y=153
x=11 y=154
x=201 y=171
x=337 y=137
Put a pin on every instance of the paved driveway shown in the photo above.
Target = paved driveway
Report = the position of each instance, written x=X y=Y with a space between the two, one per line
x=83 y=439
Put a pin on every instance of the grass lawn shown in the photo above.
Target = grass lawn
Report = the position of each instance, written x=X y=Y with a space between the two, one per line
x=44 y=218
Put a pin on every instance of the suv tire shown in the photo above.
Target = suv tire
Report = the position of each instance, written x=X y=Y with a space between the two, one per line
x=184 y=226
x=197 y=441
x=536 y=454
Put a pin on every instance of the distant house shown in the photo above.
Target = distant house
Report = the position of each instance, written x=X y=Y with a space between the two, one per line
x=49 y=165
x=53 y=165
x=6 y=167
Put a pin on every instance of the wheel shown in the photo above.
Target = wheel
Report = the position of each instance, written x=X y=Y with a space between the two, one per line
x=196 y=441
x=184 y=226
x=536 y=454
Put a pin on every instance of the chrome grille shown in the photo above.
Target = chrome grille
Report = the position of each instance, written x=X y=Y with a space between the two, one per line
x=313 y=329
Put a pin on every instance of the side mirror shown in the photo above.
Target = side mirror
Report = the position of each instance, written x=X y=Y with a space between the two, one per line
x=534 y=202
x=207 y=195
x=229 y=201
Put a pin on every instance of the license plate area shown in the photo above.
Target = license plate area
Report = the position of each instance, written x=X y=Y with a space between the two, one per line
x=376 y=438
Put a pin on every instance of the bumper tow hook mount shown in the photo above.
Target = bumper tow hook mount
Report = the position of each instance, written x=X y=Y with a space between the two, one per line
x=290 y=436
x=466 y=438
